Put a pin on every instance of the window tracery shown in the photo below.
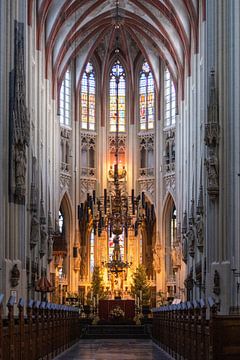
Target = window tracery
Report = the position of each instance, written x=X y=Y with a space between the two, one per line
x=65 y=99
x=146 y=98
x=88 y=98
x=169 y=100
x=117 y=83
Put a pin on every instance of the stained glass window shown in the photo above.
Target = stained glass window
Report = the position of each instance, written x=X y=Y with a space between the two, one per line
x=170 y=100
x=92 y=250
x=88 y=93
x=146 y=98
x=117 y=82
x=65 y=100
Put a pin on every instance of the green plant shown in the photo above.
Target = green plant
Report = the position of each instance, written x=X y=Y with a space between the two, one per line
x=97 y=283
x=141 y=284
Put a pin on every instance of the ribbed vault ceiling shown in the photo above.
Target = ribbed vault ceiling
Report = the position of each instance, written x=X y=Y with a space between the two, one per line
x=83 y=29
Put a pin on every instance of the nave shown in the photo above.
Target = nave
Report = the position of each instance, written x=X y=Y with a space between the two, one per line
x=120 y=175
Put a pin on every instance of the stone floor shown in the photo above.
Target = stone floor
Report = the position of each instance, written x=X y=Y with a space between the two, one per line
x=114 y=349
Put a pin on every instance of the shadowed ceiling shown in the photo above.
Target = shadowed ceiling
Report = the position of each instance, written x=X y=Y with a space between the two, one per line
x=83 y=29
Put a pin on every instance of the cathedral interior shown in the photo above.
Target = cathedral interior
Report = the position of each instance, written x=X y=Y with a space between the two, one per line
x=119 y=150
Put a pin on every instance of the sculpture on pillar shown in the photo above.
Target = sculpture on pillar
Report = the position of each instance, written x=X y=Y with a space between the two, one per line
x=83 y=260
x=216 y=283
x=212 y=133
x=157 y=258
x=34 y=231
x=43 y=230
x=191 y=240
x=44 y=235
x=19 y=121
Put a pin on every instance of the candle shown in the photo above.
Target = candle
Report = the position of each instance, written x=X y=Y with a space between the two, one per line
x=140 y=294
x=97 y=299
x=138 y=301
x=91 y=295
x=94 y=301
x=135 y=299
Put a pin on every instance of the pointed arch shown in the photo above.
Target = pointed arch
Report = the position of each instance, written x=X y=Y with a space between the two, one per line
x=66 y=206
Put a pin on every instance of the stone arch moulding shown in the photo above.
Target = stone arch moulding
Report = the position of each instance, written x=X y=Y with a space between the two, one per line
x=67 y=207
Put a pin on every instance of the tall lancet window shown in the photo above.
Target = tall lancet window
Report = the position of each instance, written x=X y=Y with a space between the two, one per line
x=65 y=100
x=146 y=98
x=117 y=84
x=170 y=100
x=88 y=94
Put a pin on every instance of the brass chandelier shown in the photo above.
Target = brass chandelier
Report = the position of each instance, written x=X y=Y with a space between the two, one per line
x=115 y=211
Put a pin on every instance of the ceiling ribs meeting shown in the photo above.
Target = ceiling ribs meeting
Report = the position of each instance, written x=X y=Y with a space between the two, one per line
x=78 y=30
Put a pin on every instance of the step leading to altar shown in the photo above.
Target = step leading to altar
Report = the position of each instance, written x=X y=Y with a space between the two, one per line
x=115 y=331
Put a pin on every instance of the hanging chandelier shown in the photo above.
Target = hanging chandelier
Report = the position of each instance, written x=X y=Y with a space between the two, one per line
x=115 y=211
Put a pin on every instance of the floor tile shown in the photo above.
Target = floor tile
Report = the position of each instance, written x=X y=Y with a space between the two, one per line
x=114 y=349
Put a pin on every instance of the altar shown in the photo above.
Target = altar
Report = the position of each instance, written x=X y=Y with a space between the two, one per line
x=105 y=307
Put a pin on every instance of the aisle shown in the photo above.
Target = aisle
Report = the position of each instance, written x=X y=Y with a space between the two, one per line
x=114 y=349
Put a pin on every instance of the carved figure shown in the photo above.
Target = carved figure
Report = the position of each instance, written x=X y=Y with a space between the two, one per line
x=83 y=263
x=212 y=169
x=199 y=230
x=20 y=166
x=44 y=235
x=157 y=258
x=191 y=240
x=216 y=281
x=50 y=248
x=185 y=247
x=34 y=232
x=15 y=276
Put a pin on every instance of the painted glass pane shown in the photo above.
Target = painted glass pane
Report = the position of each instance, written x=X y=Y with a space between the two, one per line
x=169 y=99
x=146 y=98
x=117 y=78
x=88 y=100
x=65 y=100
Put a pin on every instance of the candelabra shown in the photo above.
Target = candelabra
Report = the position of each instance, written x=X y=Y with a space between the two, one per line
x=115 y=211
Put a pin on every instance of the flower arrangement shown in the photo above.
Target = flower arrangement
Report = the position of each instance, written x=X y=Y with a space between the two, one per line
x=117 y=313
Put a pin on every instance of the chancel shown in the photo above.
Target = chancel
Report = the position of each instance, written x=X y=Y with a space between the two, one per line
x=120 y=170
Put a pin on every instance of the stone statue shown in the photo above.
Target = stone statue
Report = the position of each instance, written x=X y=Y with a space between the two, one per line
x=216 y=282
x=34 y=232
x=44 y=236
x=191 y=240
x=15 y=276
x=20 y=166
x=185 y=247
x=50 y=248
x=83 y=262
x=199 y=231
x=212 y=169
x=157 y=258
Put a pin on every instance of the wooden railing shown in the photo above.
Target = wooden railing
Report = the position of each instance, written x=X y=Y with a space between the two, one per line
x=39 y=331
x=184 y=332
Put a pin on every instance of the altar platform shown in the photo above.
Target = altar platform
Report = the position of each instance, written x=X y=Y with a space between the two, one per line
x=105 y=307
